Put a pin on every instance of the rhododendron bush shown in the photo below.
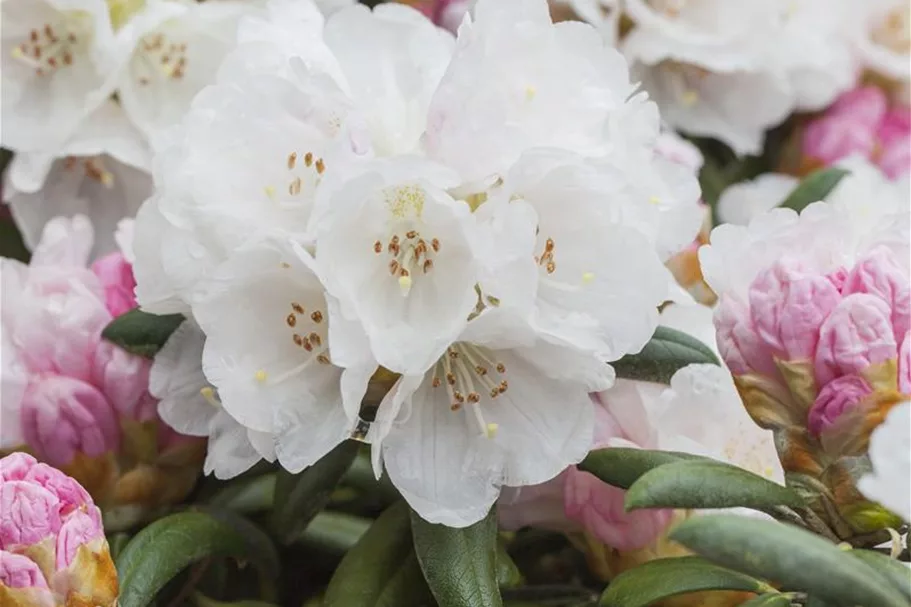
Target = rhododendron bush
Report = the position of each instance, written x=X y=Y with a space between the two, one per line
x=452 y=302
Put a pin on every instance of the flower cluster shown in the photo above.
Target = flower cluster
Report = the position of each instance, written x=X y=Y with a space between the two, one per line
x=366 y=192
x=75 y=400
x=52 y=546
x=813 y=321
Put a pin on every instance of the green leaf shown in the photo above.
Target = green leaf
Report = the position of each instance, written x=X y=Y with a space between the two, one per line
x=660 y=579
x=668 y=351
x=508 y=574
x=768 y=600
x=160 y=551
x=898 y=573
x=141 y=333
x=381 y=570
x=202 y=600
x=246 y=495
x=460 y=565
x=794 y=557
x=707 y=484
x=334 y=532
x=298 y=497
x=814 y=187
x=621 y=467
x=549 y=595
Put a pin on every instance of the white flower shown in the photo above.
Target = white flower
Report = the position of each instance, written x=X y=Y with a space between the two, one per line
x=190 y=405
x=518 y=81
x=603 y=14
x=882 y=36
x=57 y=56
x=98 y=173
x=498 y=408
x=890 y=453
x=396 y=250
x=741 y=202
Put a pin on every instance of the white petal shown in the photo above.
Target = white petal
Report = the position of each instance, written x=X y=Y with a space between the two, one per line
x=176 y=379
x=889 y=482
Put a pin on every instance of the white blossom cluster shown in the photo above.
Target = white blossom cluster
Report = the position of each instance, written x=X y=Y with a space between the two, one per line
x=484 y=216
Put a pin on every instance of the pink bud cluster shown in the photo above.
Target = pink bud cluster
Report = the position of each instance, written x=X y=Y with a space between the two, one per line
x=849 y=328
x=862 y=122
x=52 y=545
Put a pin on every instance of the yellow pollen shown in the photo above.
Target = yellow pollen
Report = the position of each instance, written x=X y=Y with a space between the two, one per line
x=492 y=430
x=260 y=376
x=588 y=277
x=654 y=200
x=17 y=53
x=689 y=98
x=530 y=93
x=107 y=179
x=405 y=201
x=270 y=191
x=209 y=394
x=405 y=284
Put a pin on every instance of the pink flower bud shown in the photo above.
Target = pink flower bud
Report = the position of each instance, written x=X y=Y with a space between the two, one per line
x=78 y=529
x=738 y=342
x=62 y=416
x=15 y=466
x=116 y=276
x=598 y=507
x=878 y=274
x=835 y=398
x=17 y=571
x=788 y=305
x=857 y=334
x=124 y=379
x=30 y=514
x=904 y=365
x=895 y=142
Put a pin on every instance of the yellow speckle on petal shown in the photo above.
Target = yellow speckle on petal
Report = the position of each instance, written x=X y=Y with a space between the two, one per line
x=654 y=200
x=588 y=277
x=492 y=430
x=209 y=394
x=689 y=98
x=17 y=53
x=107 y=179
x=405 y=284
x=260 y=376
x=270 y=191
x=530 y=93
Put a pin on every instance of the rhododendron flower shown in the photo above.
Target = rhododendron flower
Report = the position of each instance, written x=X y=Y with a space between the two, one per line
x=880 y=35
x=888 y=484
x=861 y=122
x=812 y=317
x=52 y=546
x=494 y=242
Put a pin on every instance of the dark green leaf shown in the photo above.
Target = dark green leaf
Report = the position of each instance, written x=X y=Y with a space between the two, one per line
x=203 y=601
x=298 y=497
x=460 y=565
x=163 y=549
x=246 y=495
x=334 y=532
x=508 y=574
x=656 y=580
x=116 y=543
x=668 y=351
x=381 y=570
x=621 y=467
x=549 y=596
x=707 y=484
x=142 y=333
x=768 y=600
x=814 y=187
x=794 y=557
x=898 y=573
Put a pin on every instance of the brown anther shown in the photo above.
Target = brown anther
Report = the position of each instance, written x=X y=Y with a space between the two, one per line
x=393 y=267
x=308 y=159
x=480 y=370
x=33 y=36
x=37 y=52
x=395 y=239
x=450 y=378
x=474 y=397
x=551 y=266
x=436 y=382
x=286 y=265
x=503 y=386
x=298 y=340
x=67 y=58
x=320 y=166
x=52 y=61
x=48 y=31
x=291 y=320
x=549 y=245
x=72 y=38
x=295 y=187
x=394 y=249
x=403 y=272
x=165 y=59
x=377 y=247
x=292 y=160
x=458 y=396
x=143 y=81
x=307 y=345
x=436 y=245
x=411 y=234
x=428 y=265
x=494 y=392
x=315 y=338
x=323 y=360
x=501 y=368
x=297 y=307
x=455 y=407
x=453 y=354
x=317 y=317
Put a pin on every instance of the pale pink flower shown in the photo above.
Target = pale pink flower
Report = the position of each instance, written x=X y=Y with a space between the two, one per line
x=861 y=122
x=116 y=276
x=52 y=545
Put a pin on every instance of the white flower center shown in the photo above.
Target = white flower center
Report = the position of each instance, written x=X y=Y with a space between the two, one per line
x=93 y=168
x=157 y=57
x=547 y=261
x=306 y=174
x=470 y=372
x=55 y=46
x=894 y=32
x=411 y=253
x=685 y=80
x=309 y=333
